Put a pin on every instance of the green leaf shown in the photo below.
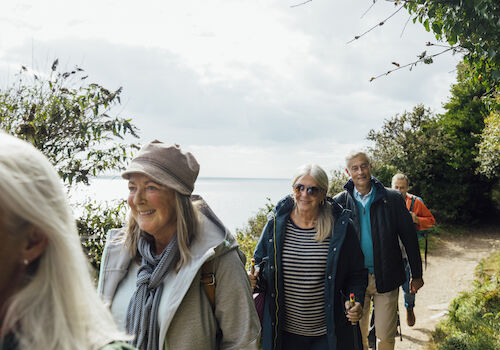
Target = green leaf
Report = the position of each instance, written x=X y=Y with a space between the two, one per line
x=436 y=28
x=426 y=24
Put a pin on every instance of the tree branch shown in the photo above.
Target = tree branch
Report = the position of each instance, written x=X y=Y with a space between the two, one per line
x=421 y=59
x=302 y=3
x=369 y=8
x=375 y=26
x=404 y=28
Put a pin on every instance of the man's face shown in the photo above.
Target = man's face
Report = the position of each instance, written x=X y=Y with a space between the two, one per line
x=360 y=170
x=401 y=186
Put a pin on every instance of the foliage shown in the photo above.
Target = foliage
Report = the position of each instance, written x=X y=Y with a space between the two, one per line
x=384 y=172
x=471 y=25
x=93 y=225
x=489 y=268
x=463 y=123
x=474 y=316
x=489 y=147
x=68 y=121
x=249 y=235
x=439 y=153
x=339 y=178
x=414 y=144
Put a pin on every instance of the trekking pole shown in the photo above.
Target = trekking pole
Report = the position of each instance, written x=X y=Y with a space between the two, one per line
x=354 y=324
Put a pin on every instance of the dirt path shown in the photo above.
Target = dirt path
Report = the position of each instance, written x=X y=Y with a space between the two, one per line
x=450 y=270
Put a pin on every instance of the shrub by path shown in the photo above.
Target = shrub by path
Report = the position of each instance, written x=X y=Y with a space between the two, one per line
x=450 y=270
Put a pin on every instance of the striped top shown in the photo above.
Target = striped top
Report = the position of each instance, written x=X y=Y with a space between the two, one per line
x=304 y=265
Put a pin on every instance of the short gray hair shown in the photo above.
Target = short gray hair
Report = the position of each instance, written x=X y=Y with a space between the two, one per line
x=400 y=176
x=355 y=154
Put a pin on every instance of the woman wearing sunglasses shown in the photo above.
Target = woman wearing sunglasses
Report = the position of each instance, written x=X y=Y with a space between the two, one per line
x=310 y=263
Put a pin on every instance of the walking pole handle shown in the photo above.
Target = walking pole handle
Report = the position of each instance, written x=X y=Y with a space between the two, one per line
x=351 y=302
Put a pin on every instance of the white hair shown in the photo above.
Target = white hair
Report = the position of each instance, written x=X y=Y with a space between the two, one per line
x=324 y=222
x=58 y=306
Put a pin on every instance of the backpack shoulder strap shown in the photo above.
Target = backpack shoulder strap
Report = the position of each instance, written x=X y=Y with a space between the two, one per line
x=412 y=202
x=208 y=281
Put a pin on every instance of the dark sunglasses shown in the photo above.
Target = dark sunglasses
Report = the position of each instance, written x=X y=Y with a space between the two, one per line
x=311 y=190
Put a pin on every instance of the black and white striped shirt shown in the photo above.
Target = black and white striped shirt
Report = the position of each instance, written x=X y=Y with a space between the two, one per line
x=304 y=265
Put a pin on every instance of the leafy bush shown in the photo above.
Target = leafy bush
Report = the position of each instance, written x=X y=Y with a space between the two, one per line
x=339 y=178
x=384 y=172
x=489 y=147
x=439 y=154
x=474 y=319
x=70 y=122
x=97 y=219
x=249 y=235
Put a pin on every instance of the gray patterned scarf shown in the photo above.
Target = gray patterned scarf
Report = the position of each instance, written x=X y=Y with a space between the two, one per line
x=142 y=312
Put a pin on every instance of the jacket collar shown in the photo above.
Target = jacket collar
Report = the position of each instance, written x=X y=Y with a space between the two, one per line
x=380 y=190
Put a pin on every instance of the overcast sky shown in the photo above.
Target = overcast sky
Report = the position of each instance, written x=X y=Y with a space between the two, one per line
x=252 y=88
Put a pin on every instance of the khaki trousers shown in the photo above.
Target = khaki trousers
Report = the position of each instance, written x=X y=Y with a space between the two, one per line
x=385 y=316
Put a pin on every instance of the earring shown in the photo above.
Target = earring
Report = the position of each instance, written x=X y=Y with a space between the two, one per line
x=322 y=202
x=26 y=262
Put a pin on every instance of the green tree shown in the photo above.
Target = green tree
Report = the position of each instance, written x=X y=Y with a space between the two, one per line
x=472 y=25
x=383 y=172
x=489 y=147
x=439 y=153
x=339 y=178
x=69 y=121
x=415 y=144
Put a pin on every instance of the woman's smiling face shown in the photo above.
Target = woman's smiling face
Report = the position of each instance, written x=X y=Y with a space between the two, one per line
x=304 y=200
x=152 y=205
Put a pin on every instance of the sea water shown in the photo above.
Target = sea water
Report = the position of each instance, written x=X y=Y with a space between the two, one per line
x=234 y=200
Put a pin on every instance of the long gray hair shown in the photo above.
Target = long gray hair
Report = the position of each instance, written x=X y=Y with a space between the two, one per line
x=324 y=221
x=56 y=306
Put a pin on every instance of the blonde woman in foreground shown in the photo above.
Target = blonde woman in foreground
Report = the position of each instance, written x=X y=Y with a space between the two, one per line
x=47 y=299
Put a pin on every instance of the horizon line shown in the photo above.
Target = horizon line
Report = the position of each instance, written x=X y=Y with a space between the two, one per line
x=203 y=177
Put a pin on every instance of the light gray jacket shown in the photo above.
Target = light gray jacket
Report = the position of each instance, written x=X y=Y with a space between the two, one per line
x=190 y=322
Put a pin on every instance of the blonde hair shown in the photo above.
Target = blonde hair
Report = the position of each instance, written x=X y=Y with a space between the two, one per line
x=324 y=221
x=57 y=307
x=187 y=227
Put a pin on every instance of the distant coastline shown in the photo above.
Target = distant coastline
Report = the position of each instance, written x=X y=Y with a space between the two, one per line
x=233 y=199
x=118 y=176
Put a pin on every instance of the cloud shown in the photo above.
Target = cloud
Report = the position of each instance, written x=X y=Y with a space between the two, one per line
x=257 y=85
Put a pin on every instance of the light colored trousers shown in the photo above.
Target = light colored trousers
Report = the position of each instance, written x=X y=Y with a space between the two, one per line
x=386 y=305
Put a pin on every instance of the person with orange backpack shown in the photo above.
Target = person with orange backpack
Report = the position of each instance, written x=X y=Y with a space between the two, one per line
x=423 y=220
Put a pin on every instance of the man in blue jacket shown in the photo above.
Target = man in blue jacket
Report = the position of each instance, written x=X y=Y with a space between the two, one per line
x=380 y=219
